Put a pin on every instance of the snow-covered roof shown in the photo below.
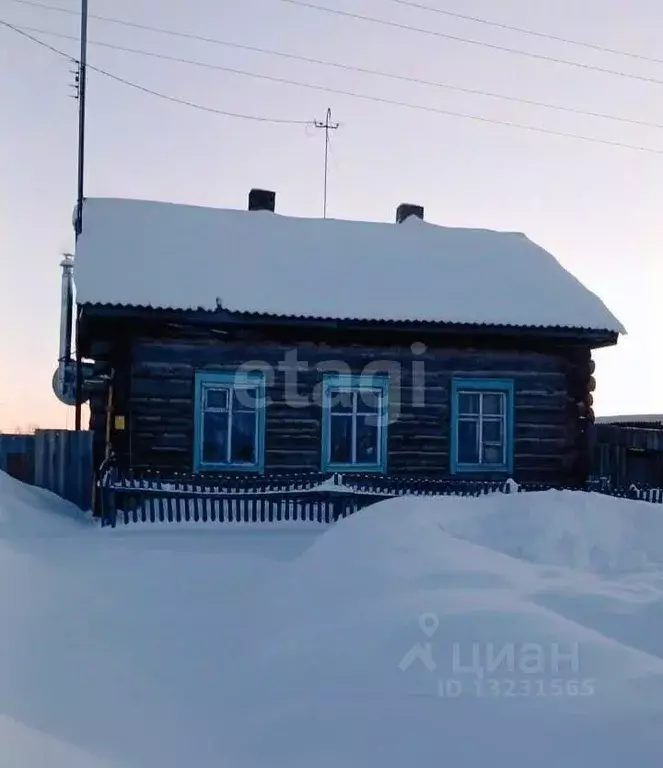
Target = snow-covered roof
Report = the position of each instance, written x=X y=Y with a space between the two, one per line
x=165 y=255
x=640 y=418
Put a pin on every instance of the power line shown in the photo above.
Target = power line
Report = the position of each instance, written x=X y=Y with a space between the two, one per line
x=385 y=22
x=343 y=66
x=469 y=41
x=195 y=105
x=132 y=24
x=350 y=94
x=407 y=27
x=525 y=31
x=152 y=92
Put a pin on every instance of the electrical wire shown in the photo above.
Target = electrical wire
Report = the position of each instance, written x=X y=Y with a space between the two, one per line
x=348 y=68
x=152 y=92
x=386 y=22
x=470 y=41
x=351 y=94
x=525 y=31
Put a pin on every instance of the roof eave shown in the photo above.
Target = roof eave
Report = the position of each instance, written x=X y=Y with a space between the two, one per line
x=202 y=317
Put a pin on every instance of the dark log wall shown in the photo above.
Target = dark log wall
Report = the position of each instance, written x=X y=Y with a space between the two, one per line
x=157 y=389
x=98 y=402
x=112 y=363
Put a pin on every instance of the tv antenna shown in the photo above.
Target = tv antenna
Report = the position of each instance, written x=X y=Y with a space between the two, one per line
x=328 y=125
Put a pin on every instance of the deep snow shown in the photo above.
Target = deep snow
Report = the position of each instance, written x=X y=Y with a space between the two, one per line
x=240 y=647
x=184 y=256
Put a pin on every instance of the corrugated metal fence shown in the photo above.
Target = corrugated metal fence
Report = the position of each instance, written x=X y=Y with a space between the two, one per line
x=57 y=460
x=17 y=456
x=63 y=464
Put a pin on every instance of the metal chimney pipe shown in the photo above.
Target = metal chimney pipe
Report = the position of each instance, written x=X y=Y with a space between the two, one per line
x=66 y=317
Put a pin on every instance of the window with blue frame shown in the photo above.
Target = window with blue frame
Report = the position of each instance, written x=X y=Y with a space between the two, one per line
x=229 y=421
x=354 y=423
x=482 y=425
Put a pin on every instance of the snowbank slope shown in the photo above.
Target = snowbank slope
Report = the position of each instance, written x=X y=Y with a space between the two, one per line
x=247 y=648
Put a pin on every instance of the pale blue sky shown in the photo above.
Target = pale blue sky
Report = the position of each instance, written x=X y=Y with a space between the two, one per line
x=597 y=208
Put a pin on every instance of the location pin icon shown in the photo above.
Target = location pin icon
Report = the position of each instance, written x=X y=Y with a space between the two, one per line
x=428 y=622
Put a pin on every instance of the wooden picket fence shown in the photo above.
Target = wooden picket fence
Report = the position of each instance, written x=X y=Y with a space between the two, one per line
x=315 y=499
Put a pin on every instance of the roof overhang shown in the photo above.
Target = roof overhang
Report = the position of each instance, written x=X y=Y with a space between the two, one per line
x=221 y=319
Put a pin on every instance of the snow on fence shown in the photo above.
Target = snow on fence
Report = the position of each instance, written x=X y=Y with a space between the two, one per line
x=302 y=500
x=316 y=499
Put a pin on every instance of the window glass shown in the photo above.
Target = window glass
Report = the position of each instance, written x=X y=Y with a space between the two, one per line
x=354 y=425
x=243 y=437
x=215 y=436
x=367 y=437
x=341 y=440
x=228 y=422
x=468 y=402
x=480 y=432
x=468 y=442
x=216 y=398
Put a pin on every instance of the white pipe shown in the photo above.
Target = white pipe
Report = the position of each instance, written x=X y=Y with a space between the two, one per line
x=66 y=317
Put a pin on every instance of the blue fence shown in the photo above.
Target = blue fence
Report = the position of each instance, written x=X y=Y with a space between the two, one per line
x=63 y=464
x=306 y=499
x=17 y=456
x=57 y=460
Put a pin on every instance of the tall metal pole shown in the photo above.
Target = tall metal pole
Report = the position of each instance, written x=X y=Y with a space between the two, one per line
x=328 y=126
x=324 y=203
x=82 y=66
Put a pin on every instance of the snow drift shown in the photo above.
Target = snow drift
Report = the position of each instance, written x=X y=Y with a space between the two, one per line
x=507 y=630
